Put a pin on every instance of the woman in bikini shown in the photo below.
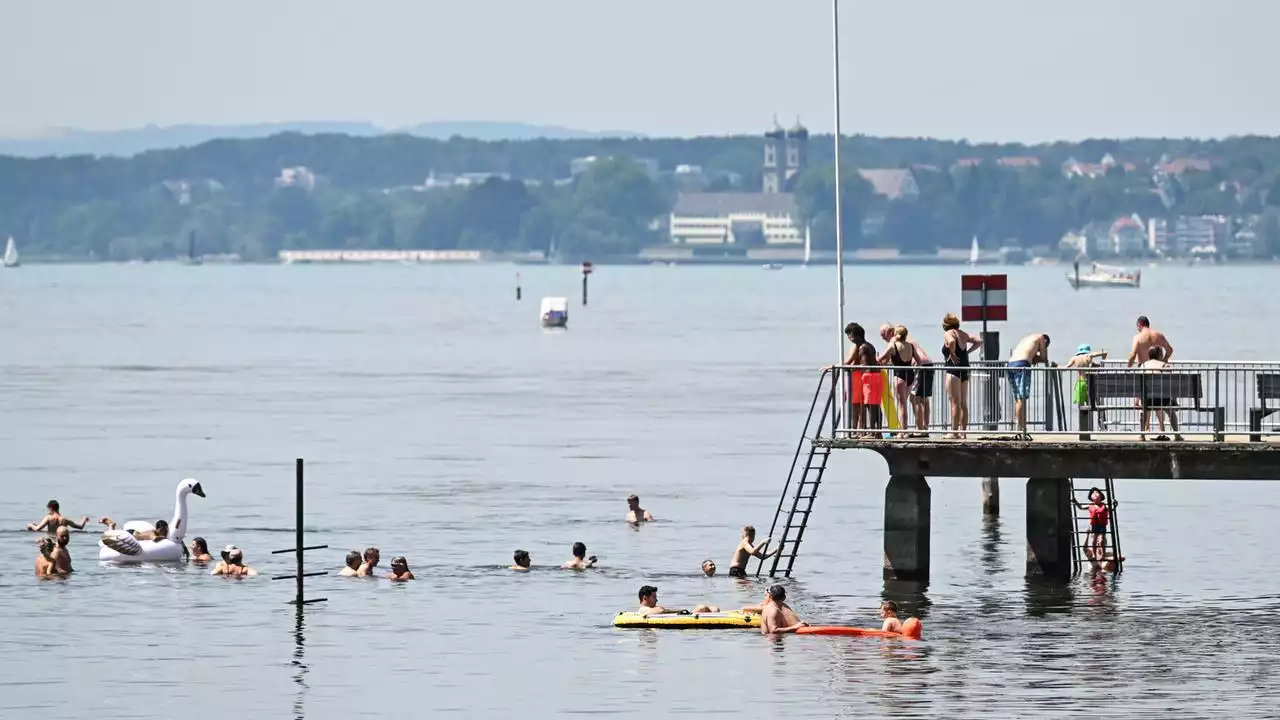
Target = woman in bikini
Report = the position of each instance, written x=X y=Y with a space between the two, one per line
x=956 y=346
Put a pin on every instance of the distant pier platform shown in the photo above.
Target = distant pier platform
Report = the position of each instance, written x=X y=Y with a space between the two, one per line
x=289 y=257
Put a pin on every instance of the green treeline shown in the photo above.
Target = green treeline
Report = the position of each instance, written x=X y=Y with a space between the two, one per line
x=367 y=193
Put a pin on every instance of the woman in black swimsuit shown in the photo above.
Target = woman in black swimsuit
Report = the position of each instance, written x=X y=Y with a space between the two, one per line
x=956 y=346
x=902 y=356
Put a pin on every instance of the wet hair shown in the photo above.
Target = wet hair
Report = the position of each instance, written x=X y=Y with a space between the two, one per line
x=162 y=527
x=200 y=544
x=400 y=560
x=890 y=605
x=53 y=505
x=1155 y=353
x=45 y=544
x=855 y=331
x=900 y=332
x=370 y=553
x=1143 y=321
x=521 y=557
x=777 y=592
x=749 y=531
x=707 y=562
x=950 y=322
x=633 y=498
x=579 y=550
x=353 y=557
x=646 y=591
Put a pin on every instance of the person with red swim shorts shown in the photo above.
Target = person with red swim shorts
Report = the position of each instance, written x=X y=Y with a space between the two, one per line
x=865 y=386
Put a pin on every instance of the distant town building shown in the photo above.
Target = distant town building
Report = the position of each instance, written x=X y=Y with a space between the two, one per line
x=1128 y=238
x=1183 y=236
x=577 y=166
x=786 y=154
x=895 y=184
x=1073 y=168
x=751 y=219
x=299 y=176
x=1019 y=162
x=1181 y=166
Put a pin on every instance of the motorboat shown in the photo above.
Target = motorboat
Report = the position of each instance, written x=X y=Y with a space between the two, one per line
x=555 y=312
x=1112 y=276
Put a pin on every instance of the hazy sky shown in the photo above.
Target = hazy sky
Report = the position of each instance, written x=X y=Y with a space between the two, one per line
x=979 y=69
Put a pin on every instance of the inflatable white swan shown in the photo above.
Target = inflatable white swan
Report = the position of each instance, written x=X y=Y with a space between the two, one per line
x=120 y=546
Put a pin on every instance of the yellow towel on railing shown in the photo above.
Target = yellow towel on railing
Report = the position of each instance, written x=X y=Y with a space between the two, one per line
x=888 y=404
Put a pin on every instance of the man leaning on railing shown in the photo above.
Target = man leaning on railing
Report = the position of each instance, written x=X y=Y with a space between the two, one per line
x=1030 y=350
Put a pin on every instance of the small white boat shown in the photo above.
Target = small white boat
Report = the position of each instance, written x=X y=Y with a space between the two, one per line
x=772 y=266
x=1104 y=276
x=11 y=254
x=973 y=252
x=555 y=312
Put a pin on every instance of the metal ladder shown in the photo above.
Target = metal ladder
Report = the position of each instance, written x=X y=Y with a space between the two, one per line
x=806 y=486
x=1081 y=526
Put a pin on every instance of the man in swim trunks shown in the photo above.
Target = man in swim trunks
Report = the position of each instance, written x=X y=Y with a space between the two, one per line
x=635 y=513
x=352 y=564
x=649 y=604
x=1030 y=350
x=866 y=387
x=746 y=550
x=371 y=558
x=61 y=555
x=889 y=611
x=53 y=520
x=580 y=560
x=1145 y=339
x=1161 y=405
x=777 y=617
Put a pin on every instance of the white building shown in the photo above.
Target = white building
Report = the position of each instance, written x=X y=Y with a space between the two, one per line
x=298 y=176
x=1186 y=233
x=736 y=219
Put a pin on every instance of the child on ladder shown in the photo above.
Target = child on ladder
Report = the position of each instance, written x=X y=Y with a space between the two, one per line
x=1099 y=516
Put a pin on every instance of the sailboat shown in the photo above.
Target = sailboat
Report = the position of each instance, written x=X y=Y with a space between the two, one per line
x=11 y=254
x=973 y=252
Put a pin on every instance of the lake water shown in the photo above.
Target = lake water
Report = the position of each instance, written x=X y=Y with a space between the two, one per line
x=440 y=422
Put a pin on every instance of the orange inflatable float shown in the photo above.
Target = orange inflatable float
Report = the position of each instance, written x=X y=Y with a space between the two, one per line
x=911 y=630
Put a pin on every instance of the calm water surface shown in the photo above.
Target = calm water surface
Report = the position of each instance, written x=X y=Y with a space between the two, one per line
x=440 y=422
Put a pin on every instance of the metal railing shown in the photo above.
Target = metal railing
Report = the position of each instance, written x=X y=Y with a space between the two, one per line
x=1193 y=401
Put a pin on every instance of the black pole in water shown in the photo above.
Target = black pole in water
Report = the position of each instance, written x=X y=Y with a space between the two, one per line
x=298 y=549
x=517 y=286
x=586 y=272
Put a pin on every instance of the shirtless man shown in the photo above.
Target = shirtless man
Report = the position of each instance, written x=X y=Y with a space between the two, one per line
x=353 y=564
x=232 y=564
x=371 y=558
x=61 y=555
x=44 y=561
x=865 y=386
x=746 y=550
x=54 y=520
x=635 y=513
x=776 y=616
x=522 y=561
x=400 y=571
x=889 y=611
x=580 y=560
x=1145 y=339
x=1030 y=350
x=649 y=604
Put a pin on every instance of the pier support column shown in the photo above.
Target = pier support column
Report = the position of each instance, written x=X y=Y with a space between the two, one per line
x=907 y=501
x=1049 y=528
x=991 y=496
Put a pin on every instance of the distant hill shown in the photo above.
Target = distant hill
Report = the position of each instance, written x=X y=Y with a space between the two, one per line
x=124 y=143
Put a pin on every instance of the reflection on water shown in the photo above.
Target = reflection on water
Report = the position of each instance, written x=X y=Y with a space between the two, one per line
x=440 y=423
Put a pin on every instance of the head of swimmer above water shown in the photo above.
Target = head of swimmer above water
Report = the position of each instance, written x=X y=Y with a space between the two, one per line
x=648 y=595
x=776 y=593
x=52 y=506
x=708 y=568
x=353 y=559
x=521 y=558
x=399 y=565
x=46 y=545
x=199 y=546
x=888 y=609
x=63 y=535
x=580 y=550
x=633 y=502
x=372 y=556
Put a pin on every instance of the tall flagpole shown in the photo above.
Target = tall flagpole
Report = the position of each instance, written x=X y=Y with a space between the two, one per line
x=835 y=36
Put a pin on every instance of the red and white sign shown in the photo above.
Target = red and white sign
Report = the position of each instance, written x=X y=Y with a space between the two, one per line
x=972 y=305
x=586 y=268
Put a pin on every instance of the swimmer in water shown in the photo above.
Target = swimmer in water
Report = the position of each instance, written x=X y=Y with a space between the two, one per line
x=161 y=531
x=777 y=617
x=44 y=561
x=522 y=561
x=353 y=564
x=635 y=513
x=371 y=558
x=709 y=568
x=746 y=550
x=200 y=551
x=649 y=604
x=400 y=571
x=61 y=555
x=580 y=560
x=232 y=564
x=53 y=520
x=889 y=611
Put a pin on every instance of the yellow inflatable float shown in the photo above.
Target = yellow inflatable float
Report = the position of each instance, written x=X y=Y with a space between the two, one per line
x=688 y=621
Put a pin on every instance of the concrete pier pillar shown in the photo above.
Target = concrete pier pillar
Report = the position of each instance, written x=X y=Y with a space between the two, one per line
x=1049 y=528
x=907 y=502
x=991 y=496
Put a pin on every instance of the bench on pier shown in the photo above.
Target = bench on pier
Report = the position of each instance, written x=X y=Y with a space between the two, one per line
x=1159 y=390
x=1268 y=389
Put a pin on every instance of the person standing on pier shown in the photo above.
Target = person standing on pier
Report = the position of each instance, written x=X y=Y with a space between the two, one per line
x=1145 y=339
x=922 y=388
x=1161 y=405
x=902 y=356
x=1030 y=350
x=865 y=386
x=956 y=346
